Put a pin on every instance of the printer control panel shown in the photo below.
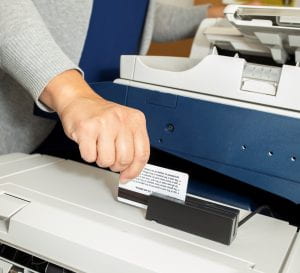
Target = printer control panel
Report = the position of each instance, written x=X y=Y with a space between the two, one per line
x=259 y=78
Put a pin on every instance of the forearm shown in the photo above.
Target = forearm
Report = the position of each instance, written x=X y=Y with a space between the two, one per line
x=175 y=23
x=27 y=50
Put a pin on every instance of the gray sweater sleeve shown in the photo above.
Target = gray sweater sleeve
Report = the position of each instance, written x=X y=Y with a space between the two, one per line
x=28 y=52
x=175 y=23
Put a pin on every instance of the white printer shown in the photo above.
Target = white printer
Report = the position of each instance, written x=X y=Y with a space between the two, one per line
x=221 y=112
x=233 y=106
x=62 y=216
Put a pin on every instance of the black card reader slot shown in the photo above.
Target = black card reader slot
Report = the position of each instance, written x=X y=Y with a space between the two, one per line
x=203 y=218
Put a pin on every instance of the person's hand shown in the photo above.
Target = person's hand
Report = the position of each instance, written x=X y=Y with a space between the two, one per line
x=109 y=134
x=217 y=11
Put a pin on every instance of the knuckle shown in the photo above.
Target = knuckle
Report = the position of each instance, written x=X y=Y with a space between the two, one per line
x=139 y=116
x=125 y=160
x=116 y=168
x=143 y=156
x=105 y=162
x=108 y=119
x=81 y=125
x=126 y=114
x=85 y=126
x=116 y=109
x=88 y=157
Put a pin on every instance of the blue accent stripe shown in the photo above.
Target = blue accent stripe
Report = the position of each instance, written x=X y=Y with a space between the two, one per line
x=115 y=29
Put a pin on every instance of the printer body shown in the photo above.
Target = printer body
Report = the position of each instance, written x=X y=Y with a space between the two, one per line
x=236 y=114
x=62 y=216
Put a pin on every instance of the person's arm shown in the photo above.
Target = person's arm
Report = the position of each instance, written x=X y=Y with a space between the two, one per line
x=27 y=50
x=175 y=22
x=112 y=135
x=107 y=133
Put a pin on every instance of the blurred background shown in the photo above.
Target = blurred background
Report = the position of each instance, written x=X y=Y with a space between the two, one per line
x=183 y=47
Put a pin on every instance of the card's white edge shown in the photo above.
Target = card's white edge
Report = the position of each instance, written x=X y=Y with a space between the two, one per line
x=132 y=203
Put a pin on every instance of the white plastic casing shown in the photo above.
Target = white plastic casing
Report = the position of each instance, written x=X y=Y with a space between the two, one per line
x=73 y=219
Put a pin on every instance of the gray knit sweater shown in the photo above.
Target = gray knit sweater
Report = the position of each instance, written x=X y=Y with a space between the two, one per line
x=40 y=39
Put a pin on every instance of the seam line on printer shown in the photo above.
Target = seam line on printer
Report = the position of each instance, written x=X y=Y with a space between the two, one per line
x=216 y=96
x=288 y=253
x=30 y=169
x=20 y=159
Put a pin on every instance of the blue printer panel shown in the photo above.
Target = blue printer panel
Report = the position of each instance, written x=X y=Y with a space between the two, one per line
x=258 y=148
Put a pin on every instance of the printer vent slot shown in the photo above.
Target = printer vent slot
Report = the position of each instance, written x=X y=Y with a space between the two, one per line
x=28 y=262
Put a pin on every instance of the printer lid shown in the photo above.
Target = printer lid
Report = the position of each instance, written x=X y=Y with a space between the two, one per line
x=259 y=30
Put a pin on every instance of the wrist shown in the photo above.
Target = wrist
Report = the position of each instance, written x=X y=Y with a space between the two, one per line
x=65 y=88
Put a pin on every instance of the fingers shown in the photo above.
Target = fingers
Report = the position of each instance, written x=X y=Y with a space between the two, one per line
x=88 y=151
x=106 y=152
x=124 y=150
x=113 y=148
x=111 y=135
x=141 y=156
x=86 y=139
x=215 y=11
